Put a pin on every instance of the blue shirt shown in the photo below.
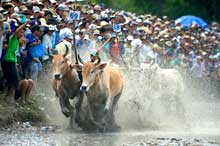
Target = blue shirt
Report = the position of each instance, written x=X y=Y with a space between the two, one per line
x=55 y=38
x=79 y=43
x=31 y=39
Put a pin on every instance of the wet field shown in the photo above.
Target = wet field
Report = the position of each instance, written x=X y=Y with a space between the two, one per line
x=142 y=124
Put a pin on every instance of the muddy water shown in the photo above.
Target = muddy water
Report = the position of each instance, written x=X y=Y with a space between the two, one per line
x=141 y=124
x=146 y=138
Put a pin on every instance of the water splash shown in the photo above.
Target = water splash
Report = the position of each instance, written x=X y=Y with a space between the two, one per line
x=201 y=103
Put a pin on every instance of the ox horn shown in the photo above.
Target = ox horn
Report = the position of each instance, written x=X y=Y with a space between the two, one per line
x=67 y=50
x=98 y=60
x=80 y=59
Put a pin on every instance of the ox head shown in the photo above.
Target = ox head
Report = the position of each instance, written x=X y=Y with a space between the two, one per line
x=90 y=72
x=60 y=66
x=60 y=63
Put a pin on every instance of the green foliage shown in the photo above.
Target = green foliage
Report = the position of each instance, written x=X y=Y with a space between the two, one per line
x=208 y=10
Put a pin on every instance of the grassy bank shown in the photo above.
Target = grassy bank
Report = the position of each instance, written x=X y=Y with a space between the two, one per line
x=12 y=114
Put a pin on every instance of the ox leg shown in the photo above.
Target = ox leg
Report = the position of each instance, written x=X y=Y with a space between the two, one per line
x=98 y=125
x=55 y=86
x=65 y=104
x=78 y=107
x=72 y=121
x=115 y=104
x=110 y=118
x=109 y=102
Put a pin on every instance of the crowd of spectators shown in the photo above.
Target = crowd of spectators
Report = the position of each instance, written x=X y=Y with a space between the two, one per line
x=30 y=31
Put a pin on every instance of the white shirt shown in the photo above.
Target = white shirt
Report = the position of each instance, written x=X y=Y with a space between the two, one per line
x=147 y=51
x=47 y=41
x=197 y=70
x=136 y=43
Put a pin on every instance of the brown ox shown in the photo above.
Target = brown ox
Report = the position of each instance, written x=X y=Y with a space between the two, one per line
x=66 y=83
x=103 y=85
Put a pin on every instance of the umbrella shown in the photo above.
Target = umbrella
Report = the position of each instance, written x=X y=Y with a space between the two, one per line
x=187 y=21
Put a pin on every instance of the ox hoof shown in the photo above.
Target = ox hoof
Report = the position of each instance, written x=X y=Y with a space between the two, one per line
x=115 y=128
x=66 y=112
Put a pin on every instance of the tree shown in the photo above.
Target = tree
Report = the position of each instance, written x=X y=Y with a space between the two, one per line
x=208 y=10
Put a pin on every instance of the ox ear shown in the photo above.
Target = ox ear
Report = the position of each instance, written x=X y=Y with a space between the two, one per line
x=66 y=59
x=78 y=67
x=102 y=66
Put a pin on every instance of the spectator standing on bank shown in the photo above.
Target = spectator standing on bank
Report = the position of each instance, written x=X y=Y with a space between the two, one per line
x=47 y=41
x=9 y=63
x=137 y=46
x=197 y=70
x=35 y=51
x=56 y=35
x=128 y=48
x=4 y=30
x=114 y=50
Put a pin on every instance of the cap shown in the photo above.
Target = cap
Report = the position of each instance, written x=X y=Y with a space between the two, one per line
x=86 y=37
x=103 y=23
x=51 y=27
x=8 y=5
x=199 y=57
x=23 y=8
x=43 y=21
x=97 y=8
x=93 y=52
x=15 y=16
x=36 y=9
x=68 y=35
x=130 y=38
x=204 y=53
x=23 y=19
x=53 y=1
x=62 y=7
x=96 y=32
